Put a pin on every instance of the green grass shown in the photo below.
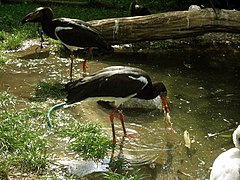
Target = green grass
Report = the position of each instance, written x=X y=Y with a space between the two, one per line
x=11 y=41
x=51 y=90
x=22 y=146
x=88 y=139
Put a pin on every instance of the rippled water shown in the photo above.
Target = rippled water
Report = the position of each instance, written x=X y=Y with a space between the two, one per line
x=204 y=96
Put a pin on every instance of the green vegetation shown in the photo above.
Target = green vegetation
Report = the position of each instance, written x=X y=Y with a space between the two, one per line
x=23 y=147
x=46 y=90
x=10 y=41
x=88 y=139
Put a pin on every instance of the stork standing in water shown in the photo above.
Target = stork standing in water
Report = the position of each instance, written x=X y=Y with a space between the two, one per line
x=115 y=84
x=73 y=33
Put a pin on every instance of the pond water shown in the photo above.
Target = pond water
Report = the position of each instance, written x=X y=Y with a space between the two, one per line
x=203 y=90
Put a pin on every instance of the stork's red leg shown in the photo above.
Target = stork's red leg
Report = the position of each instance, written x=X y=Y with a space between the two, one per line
x=111 y=117
x=121 y=117
x=84 y=68
x=71 y=64
x=89 y=53
x=85 y=62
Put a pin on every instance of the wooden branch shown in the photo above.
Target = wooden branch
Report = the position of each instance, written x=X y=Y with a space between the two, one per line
x=169 y=25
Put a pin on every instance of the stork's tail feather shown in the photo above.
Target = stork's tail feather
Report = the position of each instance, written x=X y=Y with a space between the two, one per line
x=57 y=106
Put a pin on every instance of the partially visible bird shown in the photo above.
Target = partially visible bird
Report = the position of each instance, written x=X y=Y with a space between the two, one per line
x=227 y=165
x=73 y=33
x=138 y=10
x=116 y=84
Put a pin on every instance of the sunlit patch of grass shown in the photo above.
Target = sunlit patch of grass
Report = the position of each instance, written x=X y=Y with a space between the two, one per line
x=11 y=40
x=51 y=90
x=22 y=146
x=88 y=139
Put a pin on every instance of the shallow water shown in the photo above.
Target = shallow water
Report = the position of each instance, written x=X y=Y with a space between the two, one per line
x=204 y=98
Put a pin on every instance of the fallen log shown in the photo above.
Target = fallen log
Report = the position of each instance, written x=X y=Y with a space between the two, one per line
x=169 y=25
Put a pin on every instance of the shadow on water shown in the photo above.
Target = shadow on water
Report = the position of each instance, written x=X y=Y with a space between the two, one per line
x=203 y=88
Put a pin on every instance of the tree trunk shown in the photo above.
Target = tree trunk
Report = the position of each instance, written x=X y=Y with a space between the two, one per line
x=169 y=25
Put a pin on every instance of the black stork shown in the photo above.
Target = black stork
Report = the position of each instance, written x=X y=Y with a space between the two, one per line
x=73 y=33
x=115 y=84
x=138 y=10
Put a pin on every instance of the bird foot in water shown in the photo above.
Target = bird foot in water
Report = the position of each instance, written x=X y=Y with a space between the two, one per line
x=123 y=138
x=84 y=74
x=129 y=135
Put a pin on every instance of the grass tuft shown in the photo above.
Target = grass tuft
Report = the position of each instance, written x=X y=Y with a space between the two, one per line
x=88 y=139
x=46 y=90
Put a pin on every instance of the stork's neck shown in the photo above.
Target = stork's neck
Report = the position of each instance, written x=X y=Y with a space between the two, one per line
x=49 y=28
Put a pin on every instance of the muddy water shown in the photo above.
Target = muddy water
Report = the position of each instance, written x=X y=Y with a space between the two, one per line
x=203 y=88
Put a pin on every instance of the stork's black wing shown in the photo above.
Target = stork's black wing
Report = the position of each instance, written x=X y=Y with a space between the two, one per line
x=107 y=83
x=78 y=33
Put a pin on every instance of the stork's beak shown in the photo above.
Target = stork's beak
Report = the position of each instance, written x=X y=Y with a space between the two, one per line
x=27 y=18
x=169 y=124
x=31 y=17
x=165 y=104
